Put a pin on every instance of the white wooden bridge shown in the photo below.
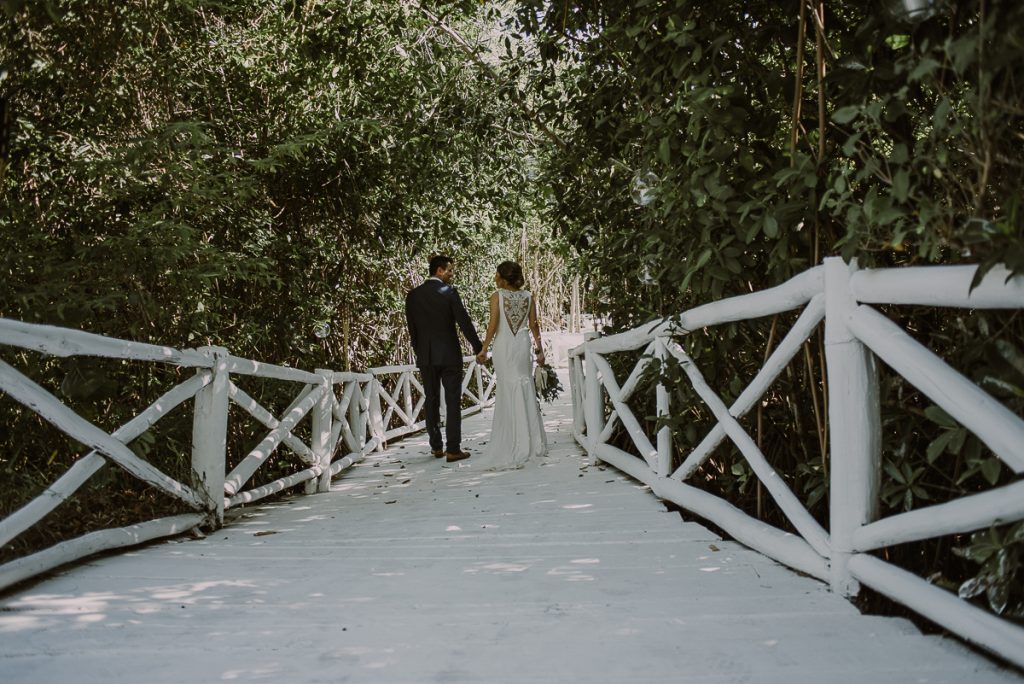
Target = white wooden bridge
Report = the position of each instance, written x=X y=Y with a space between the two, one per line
x=413 y=571
x=401 y=568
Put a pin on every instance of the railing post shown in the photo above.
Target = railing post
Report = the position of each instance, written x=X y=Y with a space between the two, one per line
x=376 y=416
x=323 y=415
x=665 y=432
x=355 y=436
x=478 y=371
x=209 y=435
x=593 y=402
x=576 y=389
x=407 y=394
x=854 y=425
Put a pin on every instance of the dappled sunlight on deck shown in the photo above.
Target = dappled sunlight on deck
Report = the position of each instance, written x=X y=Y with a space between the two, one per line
x=413 y=570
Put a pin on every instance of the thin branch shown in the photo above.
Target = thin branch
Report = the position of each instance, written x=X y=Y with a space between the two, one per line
x=472 y=54
x=798 y=86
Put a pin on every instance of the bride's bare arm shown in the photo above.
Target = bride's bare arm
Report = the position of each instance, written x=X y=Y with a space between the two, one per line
x=492 y=328
x=535 y=329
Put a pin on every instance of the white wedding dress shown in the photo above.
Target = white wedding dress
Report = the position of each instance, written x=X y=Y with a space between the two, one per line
x=517 y=433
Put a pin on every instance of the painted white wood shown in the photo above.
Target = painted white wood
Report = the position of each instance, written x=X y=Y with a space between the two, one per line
x=589 y=575
x=363 y=428
x=393 y=407
x=625 y=341
x=345 y=463
x=626 y=417
x=967 y=514
x=403 y=430
x=609 y=426
x=407 y=396
x=358 y=416
x=466 y=377
x=576 y=392
x=789 y=549
x=478 y=374
x=340 y=407
x=254 y=459
x=350 y=376
x=268 y=370
x=855 y=433
x=51 y=497
x=390 y=370
x=938 y=605
x=593 y=402
x=631 y=464
x=103 y=540
x=782 y=546
x=376 y=424
x=279 y=485
x=791 y=506
x=244 y=401
x=629 y=387
x=792 y=294
x=971 y=406
x=389 y=407
x=664 y=435
x=25 y=391
x=320 y=441
x=209 y=434
x=75 y=476
x=354 y=424
x=852 y=333
x=939 y=286
x=419 y=387
x=492 y=382
x=773 y=367
x=65 y=342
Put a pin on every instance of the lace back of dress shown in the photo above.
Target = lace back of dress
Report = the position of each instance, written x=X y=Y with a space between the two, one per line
x=517 y=307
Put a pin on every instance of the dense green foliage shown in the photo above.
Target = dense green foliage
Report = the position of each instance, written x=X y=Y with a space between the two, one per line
x=253 y=174
x=241 y=174
x=704 y=157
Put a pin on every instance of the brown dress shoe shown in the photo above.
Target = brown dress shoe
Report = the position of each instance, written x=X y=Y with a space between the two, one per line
x=438 y=453
x=452 y=456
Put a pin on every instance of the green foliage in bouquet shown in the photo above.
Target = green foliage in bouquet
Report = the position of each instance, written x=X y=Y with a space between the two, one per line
x=547 y=383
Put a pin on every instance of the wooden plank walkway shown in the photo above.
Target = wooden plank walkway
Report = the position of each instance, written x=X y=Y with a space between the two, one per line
x=410 y=571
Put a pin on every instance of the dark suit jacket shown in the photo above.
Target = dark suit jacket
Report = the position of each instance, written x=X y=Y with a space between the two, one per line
x=433 y=310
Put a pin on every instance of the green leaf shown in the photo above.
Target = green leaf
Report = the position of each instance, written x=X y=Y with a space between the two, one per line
x=665 y=150
x=990 y=469
x=924 y=68
x=845 y=115
x=771 y=226
x=901 y=185
x=939 y=416
x=938 y=445
x=895 y=473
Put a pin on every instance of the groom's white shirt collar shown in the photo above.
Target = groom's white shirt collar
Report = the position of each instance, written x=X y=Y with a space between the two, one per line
x=435 y=278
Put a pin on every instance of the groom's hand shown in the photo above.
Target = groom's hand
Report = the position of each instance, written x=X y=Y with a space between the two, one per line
x=481 y=357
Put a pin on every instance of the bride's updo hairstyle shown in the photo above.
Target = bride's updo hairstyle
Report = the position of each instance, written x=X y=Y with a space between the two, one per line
x=511 y=273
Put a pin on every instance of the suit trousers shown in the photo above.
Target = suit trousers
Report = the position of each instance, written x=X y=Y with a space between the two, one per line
x=450 y=377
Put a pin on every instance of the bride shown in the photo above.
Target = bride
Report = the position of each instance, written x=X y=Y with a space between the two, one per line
x=517 y=433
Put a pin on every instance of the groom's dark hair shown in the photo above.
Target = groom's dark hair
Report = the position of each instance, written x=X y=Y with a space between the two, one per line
x=439 y=261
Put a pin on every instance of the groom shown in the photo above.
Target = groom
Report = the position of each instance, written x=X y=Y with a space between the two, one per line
x=432 y=311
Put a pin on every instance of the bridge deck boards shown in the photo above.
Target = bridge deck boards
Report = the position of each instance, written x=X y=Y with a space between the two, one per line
x=411 y=571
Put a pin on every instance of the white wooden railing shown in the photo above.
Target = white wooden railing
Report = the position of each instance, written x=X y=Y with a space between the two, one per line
x=856 y=335
x=351 y=414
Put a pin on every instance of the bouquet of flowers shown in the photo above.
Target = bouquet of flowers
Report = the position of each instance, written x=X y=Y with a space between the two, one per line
x=546 y=381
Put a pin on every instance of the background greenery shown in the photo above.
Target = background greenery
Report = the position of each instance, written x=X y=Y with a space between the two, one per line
x=241 y=174
x=712 y=149
x=246 y=174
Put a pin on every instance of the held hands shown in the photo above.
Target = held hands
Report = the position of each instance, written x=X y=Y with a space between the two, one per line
x=482 y=356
